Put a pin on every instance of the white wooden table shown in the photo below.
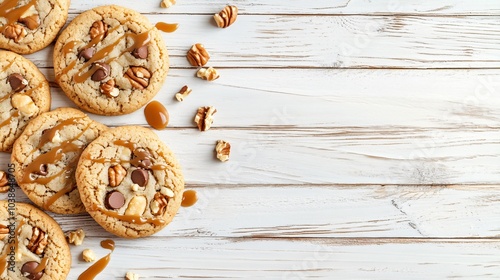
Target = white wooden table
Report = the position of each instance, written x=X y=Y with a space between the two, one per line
x=366 y=142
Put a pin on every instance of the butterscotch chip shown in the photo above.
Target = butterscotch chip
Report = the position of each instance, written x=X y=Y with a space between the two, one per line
x=226 y=17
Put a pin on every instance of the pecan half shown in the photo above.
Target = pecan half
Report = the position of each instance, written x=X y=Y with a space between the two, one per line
x=4 y=182
x=197 y=55
x=223 y=149
x=116 y=175
x=209 y=74
x=99 y=28
x=138 y=77
x=205 y=117
x=15 y=32
x=38 y=241
x=108 y=88
x=226 y=17
x=159 y=204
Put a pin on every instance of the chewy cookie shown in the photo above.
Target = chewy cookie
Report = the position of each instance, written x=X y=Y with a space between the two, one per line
x=130 y=182
x=32 y=244
x=46 y=155
x=110 y=60
x=27 y=26
x=24 y=94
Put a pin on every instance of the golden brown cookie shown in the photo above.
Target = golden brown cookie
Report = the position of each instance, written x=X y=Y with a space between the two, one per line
x=24 y=94
x=46 y=155
x=27 y=26
x=130 y=182
x=110 y=60
x=32 y=244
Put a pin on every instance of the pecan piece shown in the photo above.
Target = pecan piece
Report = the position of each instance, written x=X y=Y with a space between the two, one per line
x=223 y=149
x=75 y=237
x=226 y=17
x=198 y=55
x=4 y=231
x=88 y=255
x=183 y=93
x=205 y=117
x=167 y=3
x=108 y=88
x=159 y=204
x=116 y=175
x=4 y=183
x=138 y=77
x=209 y=74
x=32 y=22
x=15 y=32
x=38 y=241
x=98 y=29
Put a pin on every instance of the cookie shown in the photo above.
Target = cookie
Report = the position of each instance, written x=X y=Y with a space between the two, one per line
x=46 y=155
x=27 y=26
x=32 y=244
x=130 y=182
x=24 y=94
x=110 y=60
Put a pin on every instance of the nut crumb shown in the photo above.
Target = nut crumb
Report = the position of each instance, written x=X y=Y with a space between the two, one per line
x=75 y=237
x=132 y=276
x=167 y=3
x=223 y=150
x=183 y=93
x=209 y=74
x=205 y=117
x=88 y=255
x=226 y=17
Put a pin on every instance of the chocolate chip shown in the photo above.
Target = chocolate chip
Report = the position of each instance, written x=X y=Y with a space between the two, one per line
x=17 y=82
x=114 y=200
x=141 y=52
x=42 y=170
x=140 y=177
x=28 y=270
x=141 y=158
x=102 y=71
x=86 y=54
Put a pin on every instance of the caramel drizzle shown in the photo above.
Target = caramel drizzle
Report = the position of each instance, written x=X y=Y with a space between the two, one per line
x=166 y=27
x=7 y=121
x=133 y=219
x=28 y=92
x=49 y=134
x=101 y=264
x=15 y=14
x=69 y=47
x=41 y=266
x=139 y=40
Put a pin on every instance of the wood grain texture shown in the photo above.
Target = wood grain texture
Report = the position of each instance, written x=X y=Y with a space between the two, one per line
x=276 y=41
x=221 y=258
x=344 y=7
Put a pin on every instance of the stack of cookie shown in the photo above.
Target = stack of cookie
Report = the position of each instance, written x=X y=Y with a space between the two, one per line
x=109 y=61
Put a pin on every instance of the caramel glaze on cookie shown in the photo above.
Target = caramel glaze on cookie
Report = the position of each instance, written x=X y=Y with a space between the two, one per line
x=130 y=182
x=110 y=60
x=27 y=26
x=32 y=245
x=46 y=155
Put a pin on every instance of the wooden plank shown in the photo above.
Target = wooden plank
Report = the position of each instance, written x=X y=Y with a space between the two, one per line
x=218 y=258
x=328 y=98
x=258 y=211
x=345 y=7
x=276 y=41
x=338 y=156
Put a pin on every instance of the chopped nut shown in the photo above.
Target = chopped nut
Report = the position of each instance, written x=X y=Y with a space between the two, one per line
x=159 y=204
x=226 y=17
x=15 y=32
x=88 y=255
x=131 y=276
x=4 y=231
x=24 y=104
x=138 y=77
x=99 y=28
x=205 y=117
x=4 y=183
x=166 y=191
x=116 y=175
x=134 y=187
x=32 y=22
x=108 y=88
x=167 y=3
x=183 y=93
x=136 y=206
x=223 y=149
x=198 y=55
x=209 y=74
x=75 y=237
x=38 y=241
